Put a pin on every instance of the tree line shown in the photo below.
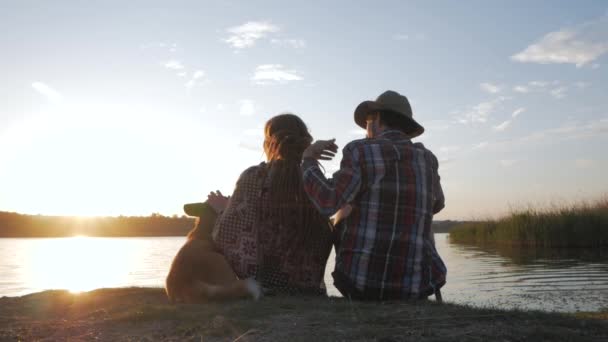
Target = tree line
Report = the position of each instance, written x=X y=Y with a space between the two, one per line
x=21 y=225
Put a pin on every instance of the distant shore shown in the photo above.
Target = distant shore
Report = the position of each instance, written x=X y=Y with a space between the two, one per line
x=15 y=225
x=143 y=314
x=20 y=225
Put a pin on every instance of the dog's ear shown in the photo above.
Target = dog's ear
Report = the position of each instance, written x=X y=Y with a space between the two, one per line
x=198 y=209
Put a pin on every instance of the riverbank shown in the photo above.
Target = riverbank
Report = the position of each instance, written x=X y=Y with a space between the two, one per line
x=143 y=314
x=15 y=225
x=578 y=226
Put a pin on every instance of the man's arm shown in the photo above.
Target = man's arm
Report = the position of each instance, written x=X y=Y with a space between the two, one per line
x=439 y=199
x=329 y=195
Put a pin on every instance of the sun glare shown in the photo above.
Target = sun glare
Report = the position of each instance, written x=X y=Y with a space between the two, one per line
x=78 y=264
x=89 y=159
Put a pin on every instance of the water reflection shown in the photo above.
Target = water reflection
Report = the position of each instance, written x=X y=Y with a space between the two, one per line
x=550 y=280
x=531 y=255
x=82 y=263
x=505 y=278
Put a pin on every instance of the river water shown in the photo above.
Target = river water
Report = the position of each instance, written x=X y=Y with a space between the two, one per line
x=541 y=280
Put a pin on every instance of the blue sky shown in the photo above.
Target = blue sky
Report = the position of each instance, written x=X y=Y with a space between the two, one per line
x=115 y=108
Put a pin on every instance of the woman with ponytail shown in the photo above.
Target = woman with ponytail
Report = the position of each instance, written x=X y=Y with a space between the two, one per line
x=269 y=229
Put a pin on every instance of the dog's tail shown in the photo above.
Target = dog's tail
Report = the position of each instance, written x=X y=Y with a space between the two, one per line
x=246 y=288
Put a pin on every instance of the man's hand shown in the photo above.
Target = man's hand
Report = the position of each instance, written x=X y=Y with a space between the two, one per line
x=217 y=201
x=321 y=150
x=341 y=214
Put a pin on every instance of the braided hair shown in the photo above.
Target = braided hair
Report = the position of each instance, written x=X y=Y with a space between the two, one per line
x=285 y=139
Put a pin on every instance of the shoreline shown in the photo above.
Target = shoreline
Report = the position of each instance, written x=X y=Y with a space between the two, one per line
x=144 y=314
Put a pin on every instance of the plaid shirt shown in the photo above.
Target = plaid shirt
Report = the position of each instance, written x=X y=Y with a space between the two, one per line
x=386 y=247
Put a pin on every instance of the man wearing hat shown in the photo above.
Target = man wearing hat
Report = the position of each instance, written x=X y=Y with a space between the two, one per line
x=391 y=187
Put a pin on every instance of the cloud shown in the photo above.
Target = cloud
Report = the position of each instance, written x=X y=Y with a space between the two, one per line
x=517 y=112
x=584 y=163
x=480 y=112
x=578 y=45
x=196 y=79
x=507 y=123
x=539 y=84
x=571 y=130
x=556 y=89
x=503 y=126
x=490 y=88
x=274 y=73
x=531 y=86
x=449 y=149
x=446 y=161
x=51 y=94
x=565 y=132
x=173 y=65
x=481 y=145
x=521 y=89
x=246 y=35
x=247 y=107
x=437 y=125
x=559 y=93
x=507 y=162
x=294 y=43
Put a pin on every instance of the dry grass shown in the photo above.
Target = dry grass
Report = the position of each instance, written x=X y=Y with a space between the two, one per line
x=135 y=314
x=584 y=225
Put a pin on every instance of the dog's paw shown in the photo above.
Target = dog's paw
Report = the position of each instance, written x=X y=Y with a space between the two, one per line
x=254 y=288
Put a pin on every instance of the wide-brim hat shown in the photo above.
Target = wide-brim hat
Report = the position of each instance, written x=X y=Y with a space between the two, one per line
x=394 y=102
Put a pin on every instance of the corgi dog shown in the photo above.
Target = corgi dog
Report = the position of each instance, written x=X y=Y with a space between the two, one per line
x=199 y=272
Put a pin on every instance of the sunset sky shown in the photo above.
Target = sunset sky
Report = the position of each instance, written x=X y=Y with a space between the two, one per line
x=114 y=107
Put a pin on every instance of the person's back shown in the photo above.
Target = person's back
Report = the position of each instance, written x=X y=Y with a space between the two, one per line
x=292 y=256
x=386 y=249
x=269 y=228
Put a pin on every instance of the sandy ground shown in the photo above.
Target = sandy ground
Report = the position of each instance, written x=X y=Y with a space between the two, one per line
x=137 y=314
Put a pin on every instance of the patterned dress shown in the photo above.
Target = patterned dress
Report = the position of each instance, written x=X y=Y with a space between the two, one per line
x=290 y=262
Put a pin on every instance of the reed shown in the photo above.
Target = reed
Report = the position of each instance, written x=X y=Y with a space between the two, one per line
x=583 y=225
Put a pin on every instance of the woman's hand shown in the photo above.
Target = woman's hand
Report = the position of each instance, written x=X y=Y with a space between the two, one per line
x=217 y=201
x=321 y=150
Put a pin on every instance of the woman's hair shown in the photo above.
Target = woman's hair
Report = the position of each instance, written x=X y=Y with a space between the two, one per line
x=285 y=139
